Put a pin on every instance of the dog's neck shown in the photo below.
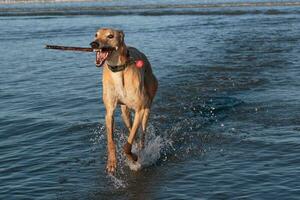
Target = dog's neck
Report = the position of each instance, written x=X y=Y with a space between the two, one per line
x=118 y=57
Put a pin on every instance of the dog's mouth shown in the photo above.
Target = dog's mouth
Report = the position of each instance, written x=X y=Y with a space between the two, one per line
x=101 y=57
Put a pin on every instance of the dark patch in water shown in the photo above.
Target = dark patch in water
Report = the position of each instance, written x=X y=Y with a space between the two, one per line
x=214 y=105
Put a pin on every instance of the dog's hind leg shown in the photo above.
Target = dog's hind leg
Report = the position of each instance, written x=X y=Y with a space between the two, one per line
x=136 y=124
x=144 y=127
x=126 y=117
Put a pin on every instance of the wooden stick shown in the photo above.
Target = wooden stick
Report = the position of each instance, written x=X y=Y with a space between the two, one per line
x=67 y=48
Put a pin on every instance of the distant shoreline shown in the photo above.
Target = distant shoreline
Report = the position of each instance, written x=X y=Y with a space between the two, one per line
x=47 y=1
x=168 y=5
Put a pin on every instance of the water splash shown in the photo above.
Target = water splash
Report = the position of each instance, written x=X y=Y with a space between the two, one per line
x=117 y=182
x=98 y=136
x=155 y=148
x=155 y=145
x=149 y=155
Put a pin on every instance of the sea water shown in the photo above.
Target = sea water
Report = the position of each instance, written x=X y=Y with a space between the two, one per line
x=225 y=123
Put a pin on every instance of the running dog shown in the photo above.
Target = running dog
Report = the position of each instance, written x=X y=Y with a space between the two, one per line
x=128 y=81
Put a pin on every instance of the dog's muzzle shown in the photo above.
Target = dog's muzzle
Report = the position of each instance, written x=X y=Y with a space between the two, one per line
x=94 y=45
x=101 y=47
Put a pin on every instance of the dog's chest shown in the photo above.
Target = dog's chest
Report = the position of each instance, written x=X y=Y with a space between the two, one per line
x=118 y=85
x=124 y=95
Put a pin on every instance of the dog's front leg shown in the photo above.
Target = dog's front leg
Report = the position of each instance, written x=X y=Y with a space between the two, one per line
x=111 y=148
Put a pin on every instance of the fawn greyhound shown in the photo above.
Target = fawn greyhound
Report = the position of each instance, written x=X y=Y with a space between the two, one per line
x=131 y=85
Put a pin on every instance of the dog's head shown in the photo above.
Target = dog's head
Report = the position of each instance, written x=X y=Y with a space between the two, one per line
x=106 y=42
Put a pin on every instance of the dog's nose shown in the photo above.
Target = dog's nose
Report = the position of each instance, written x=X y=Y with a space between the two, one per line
x=94 y=45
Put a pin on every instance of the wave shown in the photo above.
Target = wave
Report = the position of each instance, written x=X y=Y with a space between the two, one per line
x=156 y=10
x=148 y=13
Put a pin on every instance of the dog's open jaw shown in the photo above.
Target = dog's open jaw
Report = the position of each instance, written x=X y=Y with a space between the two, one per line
x=101 y=56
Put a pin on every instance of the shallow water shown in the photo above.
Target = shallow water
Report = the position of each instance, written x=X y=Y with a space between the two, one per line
x=225 y=123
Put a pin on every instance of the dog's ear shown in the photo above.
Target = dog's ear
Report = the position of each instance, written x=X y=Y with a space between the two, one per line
x=122 y=35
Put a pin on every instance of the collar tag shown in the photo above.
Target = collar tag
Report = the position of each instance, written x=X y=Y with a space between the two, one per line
x=139 y=63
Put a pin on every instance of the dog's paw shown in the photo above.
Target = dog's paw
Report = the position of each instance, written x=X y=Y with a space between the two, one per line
x=127 y=150
x=111 y=164
x=133 y=165
x=131 y=156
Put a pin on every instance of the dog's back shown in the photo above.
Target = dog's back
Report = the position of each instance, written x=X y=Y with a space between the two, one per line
x=149 y=80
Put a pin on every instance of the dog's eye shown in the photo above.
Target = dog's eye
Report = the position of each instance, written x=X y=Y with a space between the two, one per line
x=110 y=36
x=96 y=35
